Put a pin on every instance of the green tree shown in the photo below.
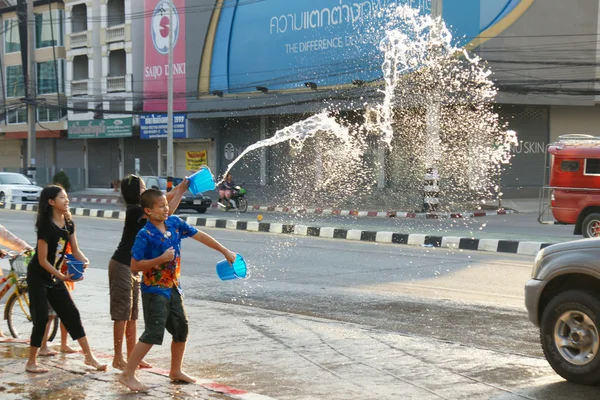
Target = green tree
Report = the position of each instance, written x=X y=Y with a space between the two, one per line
x=62 y=179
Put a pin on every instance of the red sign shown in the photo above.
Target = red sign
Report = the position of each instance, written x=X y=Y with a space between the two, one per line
x=156 y=55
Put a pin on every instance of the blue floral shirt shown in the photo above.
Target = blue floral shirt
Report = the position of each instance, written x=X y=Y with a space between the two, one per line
x=151 y=243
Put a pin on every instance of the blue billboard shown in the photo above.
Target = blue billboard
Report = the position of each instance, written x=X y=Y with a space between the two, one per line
x=282 y=45
x=154 y=126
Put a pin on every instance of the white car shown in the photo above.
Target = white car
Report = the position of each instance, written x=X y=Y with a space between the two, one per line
x=17 y=188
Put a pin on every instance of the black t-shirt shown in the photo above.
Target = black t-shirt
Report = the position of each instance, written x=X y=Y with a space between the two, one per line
x=57 y=238
x=134 y=221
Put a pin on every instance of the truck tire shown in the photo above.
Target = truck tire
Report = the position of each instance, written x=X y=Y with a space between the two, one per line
x=569 y=332
x=591 y=225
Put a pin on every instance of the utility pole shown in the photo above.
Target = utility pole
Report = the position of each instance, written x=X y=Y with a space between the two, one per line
x=31 y=92
x=170 y=167
x=436 y=8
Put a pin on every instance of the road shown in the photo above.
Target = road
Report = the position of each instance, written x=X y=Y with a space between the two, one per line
x=519 y=226
x=320 y=318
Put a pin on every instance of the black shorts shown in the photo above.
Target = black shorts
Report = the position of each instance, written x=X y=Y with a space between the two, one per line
x=160 y=313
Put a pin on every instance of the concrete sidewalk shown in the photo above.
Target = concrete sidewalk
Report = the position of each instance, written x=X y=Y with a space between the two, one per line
x=70 y=378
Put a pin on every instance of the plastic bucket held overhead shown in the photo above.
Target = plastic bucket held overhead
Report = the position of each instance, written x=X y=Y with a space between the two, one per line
x=75 y=268
x=202 y=181
x=227 y=272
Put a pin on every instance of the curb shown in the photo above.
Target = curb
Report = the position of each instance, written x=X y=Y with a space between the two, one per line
x=379 y=214
x=412 y=239
x=333 y=211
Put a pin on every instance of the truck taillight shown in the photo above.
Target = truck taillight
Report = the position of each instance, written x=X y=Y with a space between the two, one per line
x=552 y=200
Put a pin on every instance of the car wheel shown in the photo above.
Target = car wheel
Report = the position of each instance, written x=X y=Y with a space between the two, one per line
x=201 y=210
x=591 y=225
x=570 y=337
x=2 y=198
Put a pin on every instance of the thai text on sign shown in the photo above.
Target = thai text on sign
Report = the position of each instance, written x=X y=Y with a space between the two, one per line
x=195 y=159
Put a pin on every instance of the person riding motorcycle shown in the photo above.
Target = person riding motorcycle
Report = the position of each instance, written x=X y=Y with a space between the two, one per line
x=226 y=191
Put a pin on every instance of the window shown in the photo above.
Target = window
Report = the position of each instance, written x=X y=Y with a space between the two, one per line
x=49 y=31
x=46 y=77
x=17 y=116
x=592 y=166
x=14 y=179
x=15 y=84
x=12 y=42
x=569 y=166
x=80 y=108
x=50 y=114
x=117 y=106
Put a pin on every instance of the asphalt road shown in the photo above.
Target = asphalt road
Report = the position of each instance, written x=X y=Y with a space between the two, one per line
x=520 y=226
x=348 y=320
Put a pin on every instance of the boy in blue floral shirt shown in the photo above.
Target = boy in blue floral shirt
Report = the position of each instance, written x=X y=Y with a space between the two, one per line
x=156 y=253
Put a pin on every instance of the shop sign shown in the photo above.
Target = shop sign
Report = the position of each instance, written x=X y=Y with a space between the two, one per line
x=154 y=126
x=195 y=159
x=100 y=128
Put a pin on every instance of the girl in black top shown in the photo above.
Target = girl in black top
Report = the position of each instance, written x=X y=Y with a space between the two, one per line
x=123 y=284
x=45 y=281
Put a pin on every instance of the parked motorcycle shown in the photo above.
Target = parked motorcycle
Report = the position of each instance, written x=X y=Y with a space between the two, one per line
x=236 y=202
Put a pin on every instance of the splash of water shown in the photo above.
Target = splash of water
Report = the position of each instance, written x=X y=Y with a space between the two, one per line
x=298 y=133
x=436 y=113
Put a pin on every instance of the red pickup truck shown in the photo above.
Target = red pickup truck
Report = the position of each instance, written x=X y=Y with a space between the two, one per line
x=574 y=183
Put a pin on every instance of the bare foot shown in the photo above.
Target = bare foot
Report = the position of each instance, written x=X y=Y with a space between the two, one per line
x=144 y=364
x=132 y=383
x=67 y=350
x=2 y=334
x=92 y=362
x=47 y=352
x=119 y=364
x=35 y=369
x=182 y=377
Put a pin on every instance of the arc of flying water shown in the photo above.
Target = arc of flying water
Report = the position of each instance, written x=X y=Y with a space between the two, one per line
x=298 y=133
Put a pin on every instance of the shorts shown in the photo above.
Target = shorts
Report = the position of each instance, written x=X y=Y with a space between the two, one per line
x=161 y=313
x=124 y=288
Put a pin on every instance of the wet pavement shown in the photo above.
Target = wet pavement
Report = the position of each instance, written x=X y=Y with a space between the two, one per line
x=322 y=319
x=70 y=378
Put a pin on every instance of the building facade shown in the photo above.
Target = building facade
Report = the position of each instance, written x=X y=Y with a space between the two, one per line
x=101 y=99
x=49 y=80
x=113 y=54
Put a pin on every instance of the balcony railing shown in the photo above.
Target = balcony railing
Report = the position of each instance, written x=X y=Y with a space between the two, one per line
x=79 y=39
x=79 y=87
x=116 y=83
x=115 y=33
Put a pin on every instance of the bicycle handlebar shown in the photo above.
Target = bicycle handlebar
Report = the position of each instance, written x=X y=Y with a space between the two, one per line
x=15 y=254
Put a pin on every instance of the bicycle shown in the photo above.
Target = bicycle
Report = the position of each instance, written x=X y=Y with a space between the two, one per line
x=16 y=310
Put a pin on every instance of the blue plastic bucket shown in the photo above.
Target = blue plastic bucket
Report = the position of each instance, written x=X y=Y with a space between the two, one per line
x=75 y=268
x=202 y=181
x=227 y=272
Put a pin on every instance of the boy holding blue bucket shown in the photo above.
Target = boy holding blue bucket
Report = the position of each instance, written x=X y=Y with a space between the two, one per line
x=156 y=253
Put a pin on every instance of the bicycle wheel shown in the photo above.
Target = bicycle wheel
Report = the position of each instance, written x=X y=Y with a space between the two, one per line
x=19 y=317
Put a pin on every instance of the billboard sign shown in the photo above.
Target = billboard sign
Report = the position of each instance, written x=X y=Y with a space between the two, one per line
x=100 y=128
x=283 y=45
x=156 y=55
x=154 y=126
